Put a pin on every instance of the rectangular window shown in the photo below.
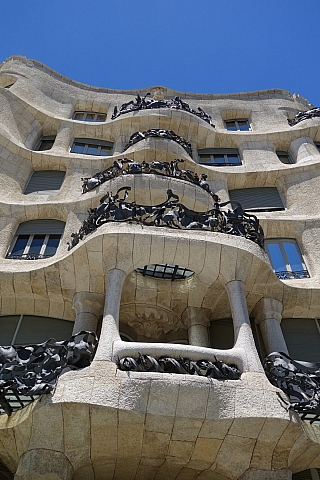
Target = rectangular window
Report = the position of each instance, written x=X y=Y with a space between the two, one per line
x=286 y=259
x=34 y=247
x=241 y=125
x=45 y=182
x=317 y=144
x=260 y=199
x=284 y=157
x=90 y=146
x=89 y=116
x=46 y=143
x=302 y=338
x=219 y=157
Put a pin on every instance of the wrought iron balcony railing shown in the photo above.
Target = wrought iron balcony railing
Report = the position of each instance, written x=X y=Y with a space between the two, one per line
x=28 y=256
x=285 y=275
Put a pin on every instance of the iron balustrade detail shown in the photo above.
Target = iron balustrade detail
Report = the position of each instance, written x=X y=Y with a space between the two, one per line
x=160 y=133
x=28 y=256
x=312 y=113
x=285 y=275
x=126 y=166
x=203 y=368
x=300 y=381
x=141 y=103
x=28 y=371
x=172 y=214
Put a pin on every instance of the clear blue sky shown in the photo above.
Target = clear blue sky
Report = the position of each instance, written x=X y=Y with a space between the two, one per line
x=203 y=46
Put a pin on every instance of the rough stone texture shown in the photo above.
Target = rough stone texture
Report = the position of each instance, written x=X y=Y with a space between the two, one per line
x=102 y=423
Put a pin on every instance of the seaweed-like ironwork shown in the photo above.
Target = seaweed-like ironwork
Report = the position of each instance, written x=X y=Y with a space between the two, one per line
x=33 y=370
x=203 y=368
x=160 y=133
x=125 y=166
x=170 y=213
x=300 y=381
x=312 y=113
x=141 y=103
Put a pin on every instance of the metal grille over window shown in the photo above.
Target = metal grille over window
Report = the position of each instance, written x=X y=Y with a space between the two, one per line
x=45 y=182
x=286 y=259
x=89 y=116
x=89 y=146
x=36 y=239
x=166 y=270
x=258 y=199
x=219 y=157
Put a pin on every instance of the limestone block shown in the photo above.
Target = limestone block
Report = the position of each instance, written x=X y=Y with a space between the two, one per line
x=44 y=464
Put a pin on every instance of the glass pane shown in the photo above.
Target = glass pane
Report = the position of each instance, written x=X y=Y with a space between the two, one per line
x=284 y=158
x=78 y=147
x=39 y=329
x=20 y=245
x=234 y=159
x=90 y=117
x=52 y=245
x=243 y=125
x=205 y=158
x=36 y=244
x=219 y=159
x=46 y=145
x=92 y=150
x=78 y=116
x=293 y=256
x=231 y=126
x=276 y=257
x=101 y=117
x=105 y=151
x=8 y=325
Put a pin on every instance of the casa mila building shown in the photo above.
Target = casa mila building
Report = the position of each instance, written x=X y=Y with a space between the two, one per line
x=159 y=282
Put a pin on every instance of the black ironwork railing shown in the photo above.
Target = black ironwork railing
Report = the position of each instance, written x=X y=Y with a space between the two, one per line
x=28 y=371
x=159 y=133
x=312 y=113
x=173 y=214
x=28 y=256
x=285 y=275
x=300 y=381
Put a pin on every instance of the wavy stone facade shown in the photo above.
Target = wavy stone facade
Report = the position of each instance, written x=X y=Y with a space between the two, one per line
x=104 y=423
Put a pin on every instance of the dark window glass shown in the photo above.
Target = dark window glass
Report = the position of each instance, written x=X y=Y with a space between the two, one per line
x=20 y=245
x=52 y=245
x=286 y=259
x=233 y=159
x=105 y=151
x=92 y=150
x=219 y=159
x=231 y=126
x=101 y=117
x=46 y=145
x=36 y=243
x=78 y=147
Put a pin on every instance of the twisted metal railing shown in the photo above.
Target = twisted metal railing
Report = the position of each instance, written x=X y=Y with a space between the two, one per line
x=160 y=133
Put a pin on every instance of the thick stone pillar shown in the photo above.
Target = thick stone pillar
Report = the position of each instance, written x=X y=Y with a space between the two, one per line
x=110 y=323
x=241 y=323
x=253 y=474
x=42 y=464
x=88 y=307
x=63 y=139
x=302 y=149
x=197 y=321
x=268 y=314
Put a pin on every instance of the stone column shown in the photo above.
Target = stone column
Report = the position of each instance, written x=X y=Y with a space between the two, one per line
x=253 y=474
x=268 y=314
x=197 y=321
x=110 y=323
x=241 y=323
x=42 y=464
x=63 y=139
x=303 y=148
x=88 y=307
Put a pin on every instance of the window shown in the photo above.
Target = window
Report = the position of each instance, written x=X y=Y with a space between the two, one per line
x=241 y=125
x=46 y=143
x=219 y=156
x=90 y=146
x=167 y=271
x=302 y=336
x=284 y=157
x=44 y=182
x=264 y=199
x=312 y=474
x=221 y=334
x=30 y=329
x=36 y=239
x=317 y=144
x=89 y=116
x=286 y=259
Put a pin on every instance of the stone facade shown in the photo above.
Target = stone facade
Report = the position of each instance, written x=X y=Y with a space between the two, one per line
x=101 y=422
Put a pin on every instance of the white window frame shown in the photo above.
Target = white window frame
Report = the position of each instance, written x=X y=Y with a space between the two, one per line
x=289 y=274
x=84 y=116
x=237 y=124
x=40 y=255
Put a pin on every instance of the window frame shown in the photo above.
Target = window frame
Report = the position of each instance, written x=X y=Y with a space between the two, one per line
x=85 y=113
x=284 y=153
x=236 y=121
x=289 y=274
x=91 y=142
x=24 y=255
x=39 y=192
x=45 y=138
x=212 y=152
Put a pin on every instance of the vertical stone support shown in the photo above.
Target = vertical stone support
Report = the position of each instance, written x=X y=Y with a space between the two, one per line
x=110 y=323
x=303 y=148
x=88 y=307
x=241 y=323
x=268 y=314
x=197 y=321
x=64 y=137
x=44 y=464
